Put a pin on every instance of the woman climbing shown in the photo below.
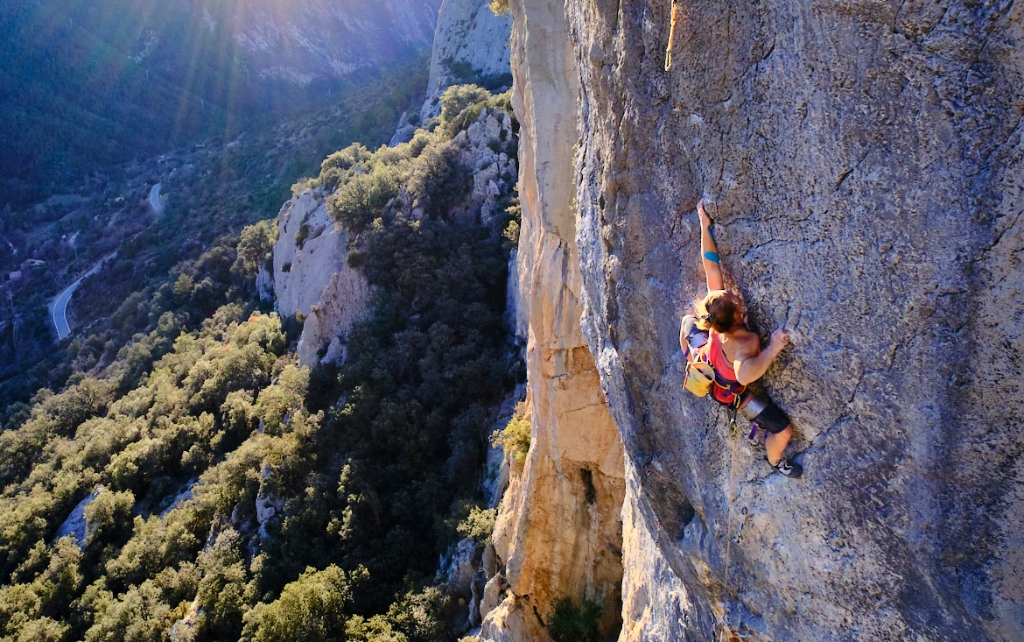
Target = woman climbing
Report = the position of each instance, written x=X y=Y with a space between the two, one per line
x=720 y=337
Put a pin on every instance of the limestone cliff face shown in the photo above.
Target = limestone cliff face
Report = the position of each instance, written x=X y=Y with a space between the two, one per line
x=558 y=532
x=471 y=45
x=311 y=277
x=865 y=158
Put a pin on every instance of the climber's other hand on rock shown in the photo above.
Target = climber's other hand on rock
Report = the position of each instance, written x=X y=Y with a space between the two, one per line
x=779 y=339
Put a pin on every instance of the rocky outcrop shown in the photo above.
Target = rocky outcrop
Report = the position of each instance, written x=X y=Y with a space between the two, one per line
x=312 y=278
x=470 y=46
x=558 y=532
x=494 y=172
x=483 y=149
x=267 y=503
x=75 y=524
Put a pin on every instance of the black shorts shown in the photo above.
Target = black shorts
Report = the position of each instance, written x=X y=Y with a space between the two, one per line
x=762 y=411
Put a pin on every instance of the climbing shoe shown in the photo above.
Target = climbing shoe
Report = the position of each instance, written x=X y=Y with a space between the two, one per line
x=788 y=468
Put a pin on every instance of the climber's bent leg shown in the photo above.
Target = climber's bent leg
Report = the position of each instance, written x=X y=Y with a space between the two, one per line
x=776 y=443
x=764 y=413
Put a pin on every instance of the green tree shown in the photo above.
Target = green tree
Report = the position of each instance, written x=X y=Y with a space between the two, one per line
x=222 y=589
x=457 y=98
x=570 y=622
x=310 y=609
x=108 y=513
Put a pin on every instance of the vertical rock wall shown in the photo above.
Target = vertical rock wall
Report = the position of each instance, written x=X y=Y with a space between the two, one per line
x=559 y=531
x=866 y=160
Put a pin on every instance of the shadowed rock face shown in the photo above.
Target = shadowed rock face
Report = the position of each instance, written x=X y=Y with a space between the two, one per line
x=558 y=533
x=866 y=162
x=865 y=158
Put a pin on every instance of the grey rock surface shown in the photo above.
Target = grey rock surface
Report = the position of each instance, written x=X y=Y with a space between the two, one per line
x=865 y=158
x=493 y=593
x=460 y=567
x=311 y=277
x=75 y=523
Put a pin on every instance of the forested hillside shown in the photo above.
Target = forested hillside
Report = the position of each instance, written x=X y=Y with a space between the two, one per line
x=211 y=190
x=225 y=493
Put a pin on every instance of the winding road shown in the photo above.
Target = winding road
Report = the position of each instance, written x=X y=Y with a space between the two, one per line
x=59 y=309
x=154 y=199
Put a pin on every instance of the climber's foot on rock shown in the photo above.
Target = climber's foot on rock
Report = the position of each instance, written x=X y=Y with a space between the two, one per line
x=788 y=468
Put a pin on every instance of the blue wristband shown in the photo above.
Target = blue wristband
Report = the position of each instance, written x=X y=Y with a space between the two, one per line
x=711 y=256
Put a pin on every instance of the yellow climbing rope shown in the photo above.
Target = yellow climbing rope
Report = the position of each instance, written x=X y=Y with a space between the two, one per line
x=726 y=632
x=676 y=16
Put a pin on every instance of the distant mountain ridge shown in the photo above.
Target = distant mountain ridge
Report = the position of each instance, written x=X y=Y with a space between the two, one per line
x=95 y=83
x=317 y=39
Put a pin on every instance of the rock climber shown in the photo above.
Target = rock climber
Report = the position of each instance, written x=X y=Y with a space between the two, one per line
x=719 y=331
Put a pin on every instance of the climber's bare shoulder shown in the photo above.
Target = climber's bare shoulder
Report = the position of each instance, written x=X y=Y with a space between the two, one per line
x=747 y=344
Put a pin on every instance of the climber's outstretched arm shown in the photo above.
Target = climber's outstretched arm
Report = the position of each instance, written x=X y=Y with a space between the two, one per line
x=751 y=363
x=709 y=251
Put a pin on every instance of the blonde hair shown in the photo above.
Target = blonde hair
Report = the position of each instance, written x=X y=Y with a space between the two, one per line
x=718 y=311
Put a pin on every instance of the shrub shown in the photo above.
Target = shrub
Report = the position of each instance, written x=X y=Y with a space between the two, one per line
x=256 y=246
x=140 y=614
x=360 y=199
x=568 y=622
x=479 y=524
x=514 y=438
x=107 y=513
x=457 y=98
x=304 y=184
x=413 y=617
x=302 y=235
x=221 y=591
x=438 y=181
x=355 y=258
x=511 y=234
x=347 y=158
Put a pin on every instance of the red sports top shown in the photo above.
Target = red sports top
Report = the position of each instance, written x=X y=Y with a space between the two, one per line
x=727 y=386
